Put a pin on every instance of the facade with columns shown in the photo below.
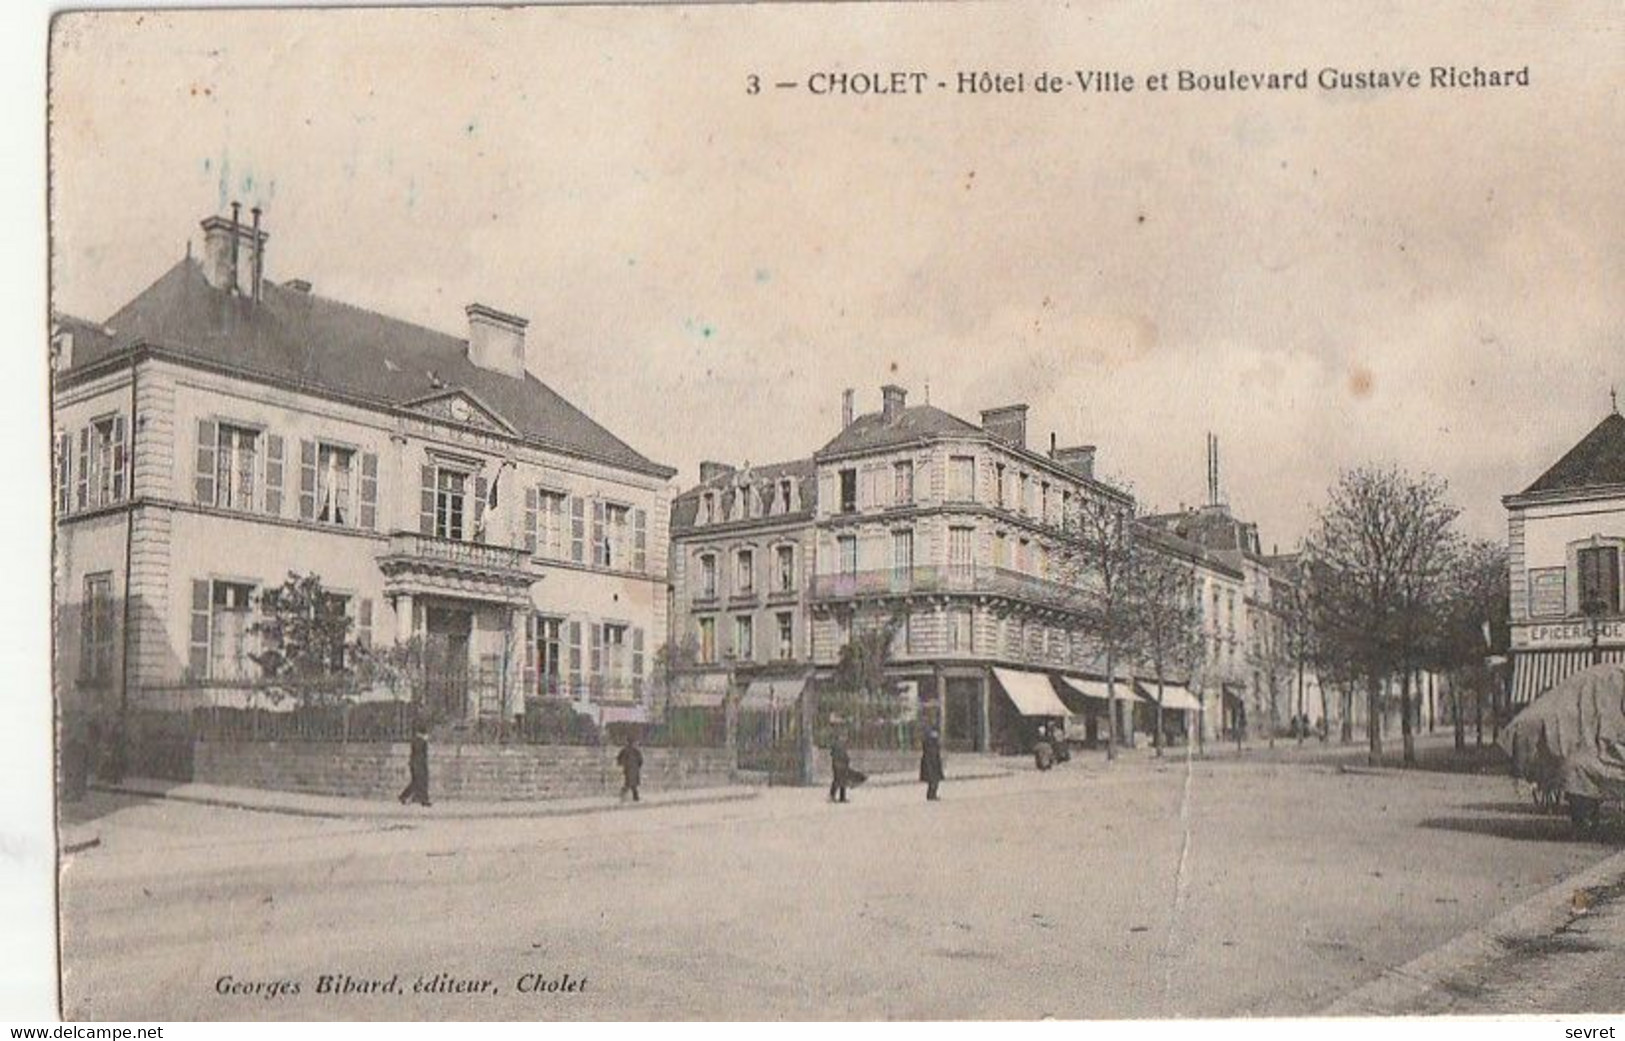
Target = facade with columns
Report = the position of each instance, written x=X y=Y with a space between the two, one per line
x=221 y=431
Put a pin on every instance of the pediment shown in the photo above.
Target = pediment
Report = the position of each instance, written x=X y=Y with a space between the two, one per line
x=463 y=409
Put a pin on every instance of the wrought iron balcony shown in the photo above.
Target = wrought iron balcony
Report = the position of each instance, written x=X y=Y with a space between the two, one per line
x=968 y=579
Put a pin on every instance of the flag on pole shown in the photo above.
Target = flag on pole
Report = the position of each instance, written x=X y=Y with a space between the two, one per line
x=491 y=521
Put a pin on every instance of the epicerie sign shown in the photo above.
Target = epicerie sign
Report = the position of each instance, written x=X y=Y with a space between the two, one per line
x=1569 y=634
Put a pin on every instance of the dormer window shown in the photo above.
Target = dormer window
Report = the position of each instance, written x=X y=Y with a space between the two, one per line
x=787 y=490
x=708 y=508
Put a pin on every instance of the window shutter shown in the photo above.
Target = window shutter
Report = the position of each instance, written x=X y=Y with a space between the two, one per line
x=575 y=659
x=530 y=520
x=197 y=660
x=640 y=543
x=273 y=474
x=64 y=473
x=530 y=683
x=118 y=459
x=369 y=490
x=596 y=631
x=307 y=480
x=637 y=660
x=578 y=531
x=598 y=532
x=426 y=501
x=204 y=485
x=481 y=487
x=363 y=635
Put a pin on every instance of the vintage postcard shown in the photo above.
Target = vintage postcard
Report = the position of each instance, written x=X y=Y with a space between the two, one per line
x=985 y=511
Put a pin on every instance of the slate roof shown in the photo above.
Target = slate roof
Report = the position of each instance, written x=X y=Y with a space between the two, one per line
x=312 y=341
x=1598 y=460
x=685 y=508
x=872 y=430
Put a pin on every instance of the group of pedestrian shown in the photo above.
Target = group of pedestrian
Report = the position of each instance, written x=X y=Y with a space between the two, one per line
x=844 y=776
x=630 y=759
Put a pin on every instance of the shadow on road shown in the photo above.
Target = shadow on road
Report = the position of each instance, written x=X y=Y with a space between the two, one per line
x=1530 y=828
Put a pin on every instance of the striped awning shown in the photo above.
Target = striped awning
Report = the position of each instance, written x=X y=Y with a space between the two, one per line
x=1536 y=672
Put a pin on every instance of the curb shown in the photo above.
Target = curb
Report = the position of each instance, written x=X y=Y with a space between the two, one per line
x=520 y=811
x=1401 y=986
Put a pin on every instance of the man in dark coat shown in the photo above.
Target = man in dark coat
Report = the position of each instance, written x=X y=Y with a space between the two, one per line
x=417 y=788
x=631 y=761
x=840 y=766
x=931 y=764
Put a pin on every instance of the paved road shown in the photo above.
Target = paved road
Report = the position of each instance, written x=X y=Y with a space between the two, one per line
x=1140 y=890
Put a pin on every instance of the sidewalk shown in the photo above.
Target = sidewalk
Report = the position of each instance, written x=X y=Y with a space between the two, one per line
x=337 y=807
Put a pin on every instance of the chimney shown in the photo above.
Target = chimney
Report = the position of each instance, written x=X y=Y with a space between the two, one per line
x=892 y=398
x=1007 y=424
x=711 y=471
x=258 y=246
x=223 y=241
x=1079 y=459
x=848 y=399
x=496 y=340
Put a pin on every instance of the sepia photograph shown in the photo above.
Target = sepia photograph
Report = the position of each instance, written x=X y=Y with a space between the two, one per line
x=836 y=512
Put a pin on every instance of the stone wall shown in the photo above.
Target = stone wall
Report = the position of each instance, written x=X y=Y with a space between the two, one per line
x=474 y=773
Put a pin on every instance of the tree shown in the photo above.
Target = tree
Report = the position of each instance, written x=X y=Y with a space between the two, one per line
x=1098 y=558
x=1163 y=606
x=1383 y=541
x=860 y=691
x=305 y=647
x=1473 y=623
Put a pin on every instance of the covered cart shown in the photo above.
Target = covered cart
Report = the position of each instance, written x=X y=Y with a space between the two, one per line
x=1572 y=738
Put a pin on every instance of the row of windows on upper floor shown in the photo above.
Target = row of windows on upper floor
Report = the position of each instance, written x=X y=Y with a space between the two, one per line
x=748 y=500
x=1014 y=490
x=245 y=468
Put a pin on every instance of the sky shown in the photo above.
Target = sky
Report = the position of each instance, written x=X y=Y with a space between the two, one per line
x=1323 y=279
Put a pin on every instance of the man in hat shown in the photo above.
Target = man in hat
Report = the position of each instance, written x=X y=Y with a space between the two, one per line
x=840 y=762
x=931 y=763
x=631 y=762
x=417 y=787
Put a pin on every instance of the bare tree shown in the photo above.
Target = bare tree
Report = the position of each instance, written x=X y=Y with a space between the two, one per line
x=1382 y=543
x=1098 y=557
x=1166 y=615
x=1473 y=622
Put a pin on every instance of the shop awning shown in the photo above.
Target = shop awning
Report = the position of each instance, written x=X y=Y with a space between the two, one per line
x=1176 y=697
x=1097 y=688
x=774 y=693
x=1031 y=693
x=1536 y=672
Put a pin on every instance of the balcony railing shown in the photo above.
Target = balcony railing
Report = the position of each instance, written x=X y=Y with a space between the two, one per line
x=952 y=579
x=474 y=555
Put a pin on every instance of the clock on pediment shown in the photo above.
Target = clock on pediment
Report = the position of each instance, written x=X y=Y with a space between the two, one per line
x=462 y=408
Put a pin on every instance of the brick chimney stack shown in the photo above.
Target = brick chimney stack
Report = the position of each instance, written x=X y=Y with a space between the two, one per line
x=848 y=407
x=892 y=398
x=1007 y=424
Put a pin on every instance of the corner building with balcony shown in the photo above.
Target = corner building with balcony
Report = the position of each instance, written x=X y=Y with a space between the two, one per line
x=953 y=534
x=222 y=430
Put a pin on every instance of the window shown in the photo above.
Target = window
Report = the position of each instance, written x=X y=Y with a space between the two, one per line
x=787 y=495
x=549 y=657
x=708 y=641
x=902 y=553
x=236 y=451
x=785 y=568
x=231 y=606
x=708 y=575
x=908 y=634
x=1043 y=502
x=745 y=573
x=962 y=478
x=334 y=606
x=105 y=477
x=96 y=632
x=616 y=670
x=708 y=508
x=998 y=485
x=333 y=469
x=960 y=630
x=64 y=473
x=550 y=524
x=1026 y=502
x=1599 y=579
x=849 y=491
x=1066 y=511
x=612 y=550
x=843 y=630
x=959 y=552
x=787 y=635
x=744 y=638
x=848 y=554
x=1001 y=550
x=1024 y=555
x=450 y=496
x=902 y=483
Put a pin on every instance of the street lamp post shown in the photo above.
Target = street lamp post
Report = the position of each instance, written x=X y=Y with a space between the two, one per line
x=1594 y=609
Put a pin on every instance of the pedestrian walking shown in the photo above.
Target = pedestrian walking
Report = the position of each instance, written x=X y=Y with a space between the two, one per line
x=417 y=787
x=631 y=760
x=840 y=763
x=931 y=764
